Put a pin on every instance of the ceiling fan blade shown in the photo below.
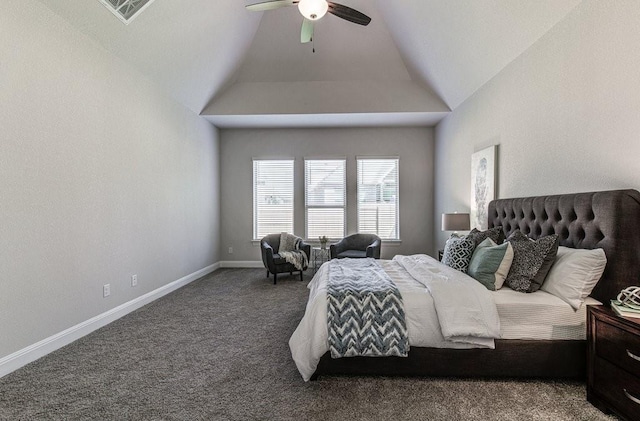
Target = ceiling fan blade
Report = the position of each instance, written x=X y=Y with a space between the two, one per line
x=270 y=5
x=306 y=34
x=348 y=13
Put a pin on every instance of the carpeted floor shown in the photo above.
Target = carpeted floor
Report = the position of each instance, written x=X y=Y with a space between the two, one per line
x=217 y=350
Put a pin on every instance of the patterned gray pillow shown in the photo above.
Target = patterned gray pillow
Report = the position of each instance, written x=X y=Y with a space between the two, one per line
x=532 y=260
x=457 y=252
x=496 y=234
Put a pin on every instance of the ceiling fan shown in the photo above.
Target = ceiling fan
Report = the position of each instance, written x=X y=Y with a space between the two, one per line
x=313 y=10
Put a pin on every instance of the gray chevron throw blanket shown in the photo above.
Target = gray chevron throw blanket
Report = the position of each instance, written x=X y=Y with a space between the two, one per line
x=365 y=311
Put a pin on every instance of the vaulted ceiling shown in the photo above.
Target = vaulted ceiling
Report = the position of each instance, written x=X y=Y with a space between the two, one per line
x=417 y=59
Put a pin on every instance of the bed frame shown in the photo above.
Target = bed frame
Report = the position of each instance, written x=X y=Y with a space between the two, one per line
x=609 y=220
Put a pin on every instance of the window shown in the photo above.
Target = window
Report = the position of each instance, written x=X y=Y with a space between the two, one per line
x=325 y=197
x=126 y=10
x=272 y=197
x=378 y=197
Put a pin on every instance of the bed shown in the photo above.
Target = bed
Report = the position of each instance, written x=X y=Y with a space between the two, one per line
x=609 y=220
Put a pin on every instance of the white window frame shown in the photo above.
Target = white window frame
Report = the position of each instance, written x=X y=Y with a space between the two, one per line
x=360 y=203
x=310 y=207
x=258 y=230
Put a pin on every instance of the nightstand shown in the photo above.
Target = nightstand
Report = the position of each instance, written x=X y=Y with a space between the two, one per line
x=613 y=358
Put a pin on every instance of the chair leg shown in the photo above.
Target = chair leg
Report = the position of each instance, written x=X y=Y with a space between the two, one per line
x=301 y=276
x=275 y=278
x=267 y=273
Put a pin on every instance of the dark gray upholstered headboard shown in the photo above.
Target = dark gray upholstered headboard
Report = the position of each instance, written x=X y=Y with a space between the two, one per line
x=609 y=220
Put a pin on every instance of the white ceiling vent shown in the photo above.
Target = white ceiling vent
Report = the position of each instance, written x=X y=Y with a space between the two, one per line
x=126 y=10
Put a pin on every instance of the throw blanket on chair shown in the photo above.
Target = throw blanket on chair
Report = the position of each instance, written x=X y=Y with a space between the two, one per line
x=365 y=311
x=288 y=250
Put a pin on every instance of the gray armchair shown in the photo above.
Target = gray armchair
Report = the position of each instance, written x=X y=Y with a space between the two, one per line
x=358 y=246
x=269 y=246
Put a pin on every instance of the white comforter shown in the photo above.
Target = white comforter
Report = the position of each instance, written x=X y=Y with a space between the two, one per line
x=444 y=308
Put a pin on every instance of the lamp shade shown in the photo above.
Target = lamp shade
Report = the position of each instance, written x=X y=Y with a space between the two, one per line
x=313 y=9
x=455 y=222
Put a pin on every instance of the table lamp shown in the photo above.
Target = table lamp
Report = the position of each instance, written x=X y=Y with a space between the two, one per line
x=455 y=222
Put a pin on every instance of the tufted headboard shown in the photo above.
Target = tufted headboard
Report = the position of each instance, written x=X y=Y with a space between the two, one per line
x=609 y=220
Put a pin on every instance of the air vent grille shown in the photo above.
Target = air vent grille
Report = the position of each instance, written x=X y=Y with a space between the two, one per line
x=126 y=10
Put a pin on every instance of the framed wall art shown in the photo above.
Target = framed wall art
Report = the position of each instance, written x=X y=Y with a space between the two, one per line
x=483 y=185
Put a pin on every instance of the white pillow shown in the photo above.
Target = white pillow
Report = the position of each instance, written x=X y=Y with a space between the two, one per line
x=574 y=274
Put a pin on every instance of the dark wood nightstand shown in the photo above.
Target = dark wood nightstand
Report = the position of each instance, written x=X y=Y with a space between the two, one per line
x=613 y=356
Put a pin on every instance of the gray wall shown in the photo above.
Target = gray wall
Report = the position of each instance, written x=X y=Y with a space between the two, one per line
x=414 y=147
x=101 y=176
x=566 y=113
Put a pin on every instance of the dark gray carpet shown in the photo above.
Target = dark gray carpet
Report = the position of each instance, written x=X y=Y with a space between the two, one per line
x=217 y=349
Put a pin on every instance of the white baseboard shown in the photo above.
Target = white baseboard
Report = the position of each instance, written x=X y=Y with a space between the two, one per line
x=241 y=264
x=31 y=353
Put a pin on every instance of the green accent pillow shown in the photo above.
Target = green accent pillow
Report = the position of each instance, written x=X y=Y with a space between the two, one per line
x=490 y=263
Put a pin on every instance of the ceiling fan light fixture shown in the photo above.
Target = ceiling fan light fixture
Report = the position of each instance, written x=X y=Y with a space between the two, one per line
x=313 y=9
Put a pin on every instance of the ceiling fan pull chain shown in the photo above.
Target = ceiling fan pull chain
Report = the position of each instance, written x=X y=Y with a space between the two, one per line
x=313 y=44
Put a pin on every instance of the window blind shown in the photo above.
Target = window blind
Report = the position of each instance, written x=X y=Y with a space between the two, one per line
x=378 y=197
x=325 y=197
x=272 y=197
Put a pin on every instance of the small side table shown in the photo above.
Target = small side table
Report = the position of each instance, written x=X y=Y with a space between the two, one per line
x=613 y=355
x=318 y=257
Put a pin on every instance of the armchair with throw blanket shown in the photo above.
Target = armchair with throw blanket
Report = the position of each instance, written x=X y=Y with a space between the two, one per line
x=283 y=253
x=357 y=245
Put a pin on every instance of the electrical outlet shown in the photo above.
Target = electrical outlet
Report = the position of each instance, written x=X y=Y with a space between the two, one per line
x=134 y=280
x=106 y=290
x=230 y=250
